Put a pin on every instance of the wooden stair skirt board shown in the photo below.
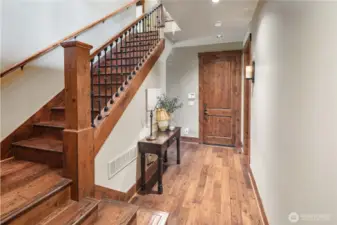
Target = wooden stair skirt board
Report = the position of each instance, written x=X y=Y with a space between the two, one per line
x=105 y=126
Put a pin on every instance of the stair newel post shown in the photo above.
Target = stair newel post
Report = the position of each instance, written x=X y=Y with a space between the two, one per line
x=78 y=137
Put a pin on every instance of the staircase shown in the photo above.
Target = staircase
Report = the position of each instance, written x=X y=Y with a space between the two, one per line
x=35 y=188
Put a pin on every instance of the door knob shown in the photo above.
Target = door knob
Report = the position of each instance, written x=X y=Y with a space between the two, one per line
x=205 y=112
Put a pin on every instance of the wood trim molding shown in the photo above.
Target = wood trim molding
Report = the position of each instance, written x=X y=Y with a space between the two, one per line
x=103 y=192
x=248 y=42
x=237 y=107
x=104 y=128
x=247 y=55
x=201 y=100
x=58 y=43
x=257 y=196
x=190 y=139
x=24 y=130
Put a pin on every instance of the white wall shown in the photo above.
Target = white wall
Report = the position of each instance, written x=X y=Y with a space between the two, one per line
x=29 y=26
x=183 y=78
x=149 y=4
x=294 y=108
x=128 y=131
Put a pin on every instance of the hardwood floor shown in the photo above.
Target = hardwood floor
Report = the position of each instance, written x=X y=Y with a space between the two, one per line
x=211 y=186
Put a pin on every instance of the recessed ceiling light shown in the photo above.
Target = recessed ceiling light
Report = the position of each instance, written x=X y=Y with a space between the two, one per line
x=215 y=1
x=219 y=36
x=218 y=24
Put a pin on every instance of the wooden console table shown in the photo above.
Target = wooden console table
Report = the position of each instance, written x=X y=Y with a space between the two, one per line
x=158 y=147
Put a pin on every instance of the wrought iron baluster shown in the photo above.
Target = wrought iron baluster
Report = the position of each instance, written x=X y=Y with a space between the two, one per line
x=92 y=92
x=149 y=31
x=130 y=59
x=158 y=24
x=137 y=40
x=132 y=43
x=118 y=46
x=99 y=86
x=150 y=28
x=111 y=72
x=122 y=59
x=105 y=80
x=138 y=46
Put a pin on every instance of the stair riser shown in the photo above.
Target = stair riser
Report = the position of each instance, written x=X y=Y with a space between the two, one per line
x=136 y=48
x=53 y=159
x=151 y=39
x=91 y=218
x=48 y=132
x=137 y=53
x=121 y=54
x=133 y=220
x=35 y=214
x=150 y=33
x=57 y=115
x=115 y=62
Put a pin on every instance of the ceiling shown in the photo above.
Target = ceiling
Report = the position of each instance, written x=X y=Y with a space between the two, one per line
x=196 y=19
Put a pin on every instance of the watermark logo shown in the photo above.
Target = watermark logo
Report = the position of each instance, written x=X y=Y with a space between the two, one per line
x=294 y=217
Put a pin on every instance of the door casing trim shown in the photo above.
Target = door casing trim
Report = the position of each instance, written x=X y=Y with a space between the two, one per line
x=247 y=57
x=201 y=57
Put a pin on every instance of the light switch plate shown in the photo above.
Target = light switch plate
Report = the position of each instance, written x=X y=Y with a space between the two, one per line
x=191 y=95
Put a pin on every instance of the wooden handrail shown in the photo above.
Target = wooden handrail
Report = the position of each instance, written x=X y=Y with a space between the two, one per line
x=56 y=44
x=114 y=38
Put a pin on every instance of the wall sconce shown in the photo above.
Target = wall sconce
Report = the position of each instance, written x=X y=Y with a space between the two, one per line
x=250 y=72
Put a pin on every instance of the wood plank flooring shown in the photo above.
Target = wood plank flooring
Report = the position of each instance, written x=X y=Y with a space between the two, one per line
x=211 y=186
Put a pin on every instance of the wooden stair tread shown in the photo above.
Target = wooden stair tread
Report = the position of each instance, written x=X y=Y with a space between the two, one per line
x=42 y=144
x=16 y=173
x=11 y=165
x=71 y=213
x=52 y=123
x=28 y=195
x=151 y=217
x=115 y=212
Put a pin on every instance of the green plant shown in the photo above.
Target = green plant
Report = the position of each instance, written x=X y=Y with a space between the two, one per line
x=169 y=104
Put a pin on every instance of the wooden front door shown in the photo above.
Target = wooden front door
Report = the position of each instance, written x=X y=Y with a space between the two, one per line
x=220 y=97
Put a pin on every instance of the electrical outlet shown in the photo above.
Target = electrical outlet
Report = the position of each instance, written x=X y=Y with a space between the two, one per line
x=186 y=131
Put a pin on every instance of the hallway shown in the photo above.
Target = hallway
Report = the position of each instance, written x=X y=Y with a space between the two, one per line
x=211 y=186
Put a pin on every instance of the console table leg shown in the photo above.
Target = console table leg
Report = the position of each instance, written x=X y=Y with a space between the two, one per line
x=160 y=174
x=178 y=150
x=142 y=162
x=165 y=157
